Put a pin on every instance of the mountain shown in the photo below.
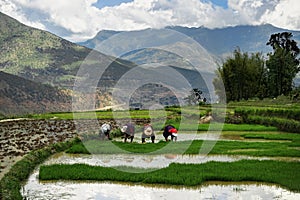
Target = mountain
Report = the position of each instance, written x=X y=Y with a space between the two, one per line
x=220 y=41
x=217 y=45
x=38 y=55
x=44 y=58
x=22 y=96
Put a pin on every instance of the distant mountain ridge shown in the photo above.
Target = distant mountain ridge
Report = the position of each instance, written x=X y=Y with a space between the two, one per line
x=219 y=41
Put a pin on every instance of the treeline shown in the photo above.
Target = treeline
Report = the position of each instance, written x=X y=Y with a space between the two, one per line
x=245 y=75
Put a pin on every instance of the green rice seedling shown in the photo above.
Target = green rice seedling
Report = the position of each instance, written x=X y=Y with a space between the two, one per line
x=236 y=127
x=285 y=136
x=287 y=149
x=286 y=174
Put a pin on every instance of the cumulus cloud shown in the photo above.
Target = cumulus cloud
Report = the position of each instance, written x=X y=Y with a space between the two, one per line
x=79 y=19
x=285 y=14
x=15 y=11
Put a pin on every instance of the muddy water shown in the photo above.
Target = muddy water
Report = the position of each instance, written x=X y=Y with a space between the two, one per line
x=112 y=191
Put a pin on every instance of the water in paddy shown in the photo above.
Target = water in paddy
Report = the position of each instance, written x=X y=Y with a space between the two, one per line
x=60 y=190
x=149 y=161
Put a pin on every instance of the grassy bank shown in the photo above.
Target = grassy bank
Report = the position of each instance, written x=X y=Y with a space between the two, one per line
x=10 y=184
x=286 y=174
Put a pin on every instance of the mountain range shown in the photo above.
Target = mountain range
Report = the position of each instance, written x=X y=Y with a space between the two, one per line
x=219 y=41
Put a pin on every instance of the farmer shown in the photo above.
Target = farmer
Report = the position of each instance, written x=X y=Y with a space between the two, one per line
x=148 y=132
x=128 y=131
x=170 y=130
x=105 y=131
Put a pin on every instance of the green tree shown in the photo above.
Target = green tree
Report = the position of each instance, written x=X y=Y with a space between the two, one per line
x=283 y=64
x=243 y=77
x=195 y=97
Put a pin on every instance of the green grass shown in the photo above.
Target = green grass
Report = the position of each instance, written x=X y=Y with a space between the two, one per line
x=286 y=174
x=280 y=102
x=237 y=127
x=290 y=148
x=134 y=114
x=285 y=136
x=272 y=149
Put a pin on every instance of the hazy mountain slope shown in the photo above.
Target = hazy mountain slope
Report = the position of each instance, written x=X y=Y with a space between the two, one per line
x=38 y=55
x=43 y=57
x=21 y=96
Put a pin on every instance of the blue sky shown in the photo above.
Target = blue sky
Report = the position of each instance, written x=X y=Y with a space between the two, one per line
x=104 y=3
x=79 y=20
x=222 y=3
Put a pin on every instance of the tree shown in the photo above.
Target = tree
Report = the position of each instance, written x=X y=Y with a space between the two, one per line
x=195 y=97
x=283 y=64
x=243 y=77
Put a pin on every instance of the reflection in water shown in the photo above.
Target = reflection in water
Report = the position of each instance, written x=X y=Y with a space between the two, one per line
x=149 y=161
x=98 y=191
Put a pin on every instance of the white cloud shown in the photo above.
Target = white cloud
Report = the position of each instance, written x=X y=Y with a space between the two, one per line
x=11 y=9
x=250 y=11
x=280 y=13
x=78 y=19
x=286 y=14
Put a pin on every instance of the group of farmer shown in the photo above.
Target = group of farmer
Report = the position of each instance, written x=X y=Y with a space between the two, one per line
x=128 y=131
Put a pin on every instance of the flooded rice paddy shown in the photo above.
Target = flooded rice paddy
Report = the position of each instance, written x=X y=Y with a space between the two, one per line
x=149 y=161
x=60 y=190
x=71 y=190
x=63 y=190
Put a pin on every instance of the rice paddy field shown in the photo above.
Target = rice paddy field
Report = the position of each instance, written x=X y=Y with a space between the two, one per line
x=261 y=141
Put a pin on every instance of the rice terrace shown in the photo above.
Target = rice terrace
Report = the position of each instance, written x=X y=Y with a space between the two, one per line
x=252 y=152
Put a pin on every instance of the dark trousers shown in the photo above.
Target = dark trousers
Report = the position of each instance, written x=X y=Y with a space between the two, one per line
x=152 y=138
x=128 y=136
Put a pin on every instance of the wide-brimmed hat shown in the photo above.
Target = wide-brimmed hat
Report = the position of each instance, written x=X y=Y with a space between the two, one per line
x=148 y=131
x=123 y=129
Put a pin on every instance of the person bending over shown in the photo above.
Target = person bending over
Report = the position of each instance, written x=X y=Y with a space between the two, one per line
x=105 y=131
x=170 y=130
x=128 y=131
x=148 y=132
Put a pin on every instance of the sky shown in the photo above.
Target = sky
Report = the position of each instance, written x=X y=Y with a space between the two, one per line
x=79 y=20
